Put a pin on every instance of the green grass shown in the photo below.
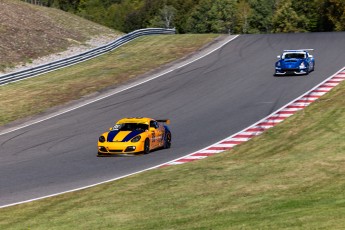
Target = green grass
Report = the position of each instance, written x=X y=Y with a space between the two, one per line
x=33 y=96
x=290 y=177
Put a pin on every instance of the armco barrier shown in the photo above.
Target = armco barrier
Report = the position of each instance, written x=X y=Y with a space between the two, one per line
x=41 y=69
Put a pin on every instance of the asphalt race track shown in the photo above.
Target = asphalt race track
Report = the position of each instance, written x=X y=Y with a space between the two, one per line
x=206 y=101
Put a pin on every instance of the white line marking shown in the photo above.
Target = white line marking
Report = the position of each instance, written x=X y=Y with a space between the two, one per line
x=256 y=125
x=331 y=84
x=184 y=159
x=240 y=139
x=225 y=145
x=250 y=133
x=119 y=90
x=291 y=109
x=316 y=94
x=98 y=99
x=301 y=104
x=282 y=115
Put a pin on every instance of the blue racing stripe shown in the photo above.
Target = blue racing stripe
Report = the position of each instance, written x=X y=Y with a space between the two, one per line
x=112 y=135
x=132 y=134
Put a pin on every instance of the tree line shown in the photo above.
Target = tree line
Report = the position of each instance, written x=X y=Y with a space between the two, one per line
x=210 y=16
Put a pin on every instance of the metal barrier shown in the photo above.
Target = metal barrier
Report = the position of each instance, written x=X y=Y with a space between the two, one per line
x=41 y=69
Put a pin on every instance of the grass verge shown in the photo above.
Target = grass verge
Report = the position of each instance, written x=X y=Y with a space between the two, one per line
x=36 y=95
x=290 y=177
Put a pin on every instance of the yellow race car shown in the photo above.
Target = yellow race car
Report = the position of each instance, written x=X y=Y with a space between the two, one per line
x=135 y=135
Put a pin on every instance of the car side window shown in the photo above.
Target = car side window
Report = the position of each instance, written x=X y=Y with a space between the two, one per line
x=154 y=124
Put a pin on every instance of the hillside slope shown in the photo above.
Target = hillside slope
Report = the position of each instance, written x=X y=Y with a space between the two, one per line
x=28 y=32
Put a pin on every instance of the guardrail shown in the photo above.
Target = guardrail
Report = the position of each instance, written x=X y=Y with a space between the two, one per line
x=45 y=68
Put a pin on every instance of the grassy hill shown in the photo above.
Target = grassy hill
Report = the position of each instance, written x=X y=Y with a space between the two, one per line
x=28 y=32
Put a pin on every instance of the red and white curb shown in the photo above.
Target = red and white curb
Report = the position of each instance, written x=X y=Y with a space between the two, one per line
x=266 y=123
x=238 y=138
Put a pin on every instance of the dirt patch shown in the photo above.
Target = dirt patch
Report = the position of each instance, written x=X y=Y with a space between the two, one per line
x=29 y=32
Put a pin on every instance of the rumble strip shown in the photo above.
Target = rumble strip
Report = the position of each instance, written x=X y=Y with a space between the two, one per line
x=268 y=122
x=236 y=139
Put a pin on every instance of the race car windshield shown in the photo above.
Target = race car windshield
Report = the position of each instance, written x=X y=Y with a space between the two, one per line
x=130 y=127
x=294 y=55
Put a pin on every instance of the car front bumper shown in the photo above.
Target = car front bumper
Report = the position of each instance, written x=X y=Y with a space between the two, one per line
x=279 y=71
x=119 y=148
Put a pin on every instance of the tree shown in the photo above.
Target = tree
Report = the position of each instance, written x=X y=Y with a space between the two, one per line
x=223 y=14
x=309 y=10
x=125 y=16
x=213 y=17
x=260 y=19
x=210 y=16
x=198 y=20
x=336 y=14
x=133 y=21
x=184 y=8
x=286 y=20
x=243 y=13
x=168 y=15
x=92 y=10
x=165 y=18
x=66 y=5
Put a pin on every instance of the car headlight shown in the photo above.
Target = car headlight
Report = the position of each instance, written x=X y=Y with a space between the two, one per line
x=278 y=64
x=302 y=66
x=101 y=139
x=136 y=139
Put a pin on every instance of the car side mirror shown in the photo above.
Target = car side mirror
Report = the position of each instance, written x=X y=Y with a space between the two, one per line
x=278 y=57
x=111 y=129
x=311 y=56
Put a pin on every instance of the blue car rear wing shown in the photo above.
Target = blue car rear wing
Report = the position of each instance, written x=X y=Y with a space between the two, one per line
x=299 y=50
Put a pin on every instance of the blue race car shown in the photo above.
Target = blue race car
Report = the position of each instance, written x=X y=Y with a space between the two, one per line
x=295 y=62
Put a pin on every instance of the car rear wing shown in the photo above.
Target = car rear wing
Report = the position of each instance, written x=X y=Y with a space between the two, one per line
x=299 y=50
x=167 y=121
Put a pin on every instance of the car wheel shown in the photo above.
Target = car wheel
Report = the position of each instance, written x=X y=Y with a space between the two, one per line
x=100 y=154
x=307 y=71
x=147 y=146
x=167 y=143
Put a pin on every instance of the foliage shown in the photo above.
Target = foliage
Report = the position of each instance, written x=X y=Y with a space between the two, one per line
x=207 y=16
x=165 y=19
x=336 y=14
x=92 y=10
x=260 y=20
x=286 y=19
x=243 y=11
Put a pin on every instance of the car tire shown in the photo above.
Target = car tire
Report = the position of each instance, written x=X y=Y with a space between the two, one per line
x=147 y=146
x=100 y=154
x=167 y=143
x=307 y=71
